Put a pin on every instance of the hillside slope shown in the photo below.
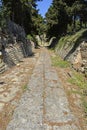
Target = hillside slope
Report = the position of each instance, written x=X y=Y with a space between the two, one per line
x=74 y=49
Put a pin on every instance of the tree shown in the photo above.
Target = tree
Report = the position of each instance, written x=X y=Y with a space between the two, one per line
x=22 y=12
x=76 y=10
x=4 y=14
x=66 y=13
x=38 y=26
x=56 y=18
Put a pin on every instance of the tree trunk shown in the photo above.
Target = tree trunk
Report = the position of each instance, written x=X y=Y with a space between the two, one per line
x=74 y=23
x=80 y=23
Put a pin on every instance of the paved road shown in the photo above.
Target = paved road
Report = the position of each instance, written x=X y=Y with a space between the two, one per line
x=44 y=106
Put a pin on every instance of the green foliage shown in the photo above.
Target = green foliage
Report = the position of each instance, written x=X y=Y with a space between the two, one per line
x=56 y=18
x=38 y=24
x=85 y=107
x=62 y=42
x=80 y=81
x=71 y=40
x=24 y=88
x=30 y=37
x=66 y=16
x=4 y=14
x=57 y=61
x=24 y=13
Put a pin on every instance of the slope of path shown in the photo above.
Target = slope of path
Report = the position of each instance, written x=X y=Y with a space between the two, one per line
x=44 y=105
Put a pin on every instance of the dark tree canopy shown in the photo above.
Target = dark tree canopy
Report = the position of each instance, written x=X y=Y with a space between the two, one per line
x=22 y=12
x=64 y=15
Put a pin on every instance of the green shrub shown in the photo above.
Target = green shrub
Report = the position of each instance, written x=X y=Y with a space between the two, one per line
x=30 y=37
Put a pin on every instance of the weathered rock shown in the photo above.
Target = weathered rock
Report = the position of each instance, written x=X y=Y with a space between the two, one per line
x=78 y=56
x=13 y=44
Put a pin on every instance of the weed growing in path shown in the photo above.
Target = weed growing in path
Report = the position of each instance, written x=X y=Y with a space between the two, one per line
x=24 y=88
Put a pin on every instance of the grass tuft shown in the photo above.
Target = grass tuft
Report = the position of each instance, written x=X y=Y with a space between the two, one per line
x=57 y=61
x=80 y=81
x=24 y=88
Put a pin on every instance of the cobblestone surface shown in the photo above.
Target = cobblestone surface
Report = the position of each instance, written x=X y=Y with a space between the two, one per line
x=13 y=80
x=44 y=106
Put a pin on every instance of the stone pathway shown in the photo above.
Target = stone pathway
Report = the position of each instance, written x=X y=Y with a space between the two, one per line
x=13 y=83
x=44 y=106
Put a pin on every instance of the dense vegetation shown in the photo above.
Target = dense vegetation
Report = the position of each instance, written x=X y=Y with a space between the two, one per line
x=66 y=16
x=63 y=16
x=22 y=12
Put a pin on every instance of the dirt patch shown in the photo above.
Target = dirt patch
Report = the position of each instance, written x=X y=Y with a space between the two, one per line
x=13 y=85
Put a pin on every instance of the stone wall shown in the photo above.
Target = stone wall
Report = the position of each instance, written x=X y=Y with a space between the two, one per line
x=13 y=46
x=12 y=55
x=84 y=56
x=77 y=57
x=2 y=65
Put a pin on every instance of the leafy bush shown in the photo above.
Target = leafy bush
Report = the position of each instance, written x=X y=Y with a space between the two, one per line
x=33 y=38
x=30 y=37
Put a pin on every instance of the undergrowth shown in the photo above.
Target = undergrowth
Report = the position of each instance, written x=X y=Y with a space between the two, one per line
x=57 y=61
x=80 y=81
